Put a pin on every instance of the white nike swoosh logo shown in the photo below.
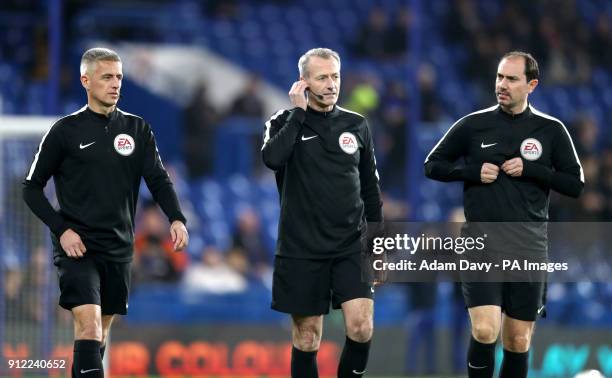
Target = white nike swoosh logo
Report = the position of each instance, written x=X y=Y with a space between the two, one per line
x=81 y=146
x=304 y=138
x=358 y=372
x=482 y=145
x=540 y=310
x=476 y=367
x=87 y=371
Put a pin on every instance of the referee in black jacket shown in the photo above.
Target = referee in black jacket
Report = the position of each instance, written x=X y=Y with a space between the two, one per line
x=97 y=157
x=513 y=156
x=323 y=158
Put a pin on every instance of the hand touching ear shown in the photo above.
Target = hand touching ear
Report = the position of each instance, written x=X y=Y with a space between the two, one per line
x=297 y=95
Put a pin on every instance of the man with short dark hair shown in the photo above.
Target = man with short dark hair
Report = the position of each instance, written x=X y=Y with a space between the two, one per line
x=323 y=158
x=514 y=155
x=97 y=157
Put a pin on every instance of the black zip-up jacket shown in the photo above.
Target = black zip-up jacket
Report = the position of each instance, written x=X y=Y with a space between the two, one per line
x=494 y=136
x=327 y=180
x=97 y=163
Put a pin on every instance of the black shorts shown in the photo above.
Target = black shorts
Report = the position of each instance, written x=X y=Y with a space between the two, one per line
x=305 y=287
x=94 y=280
x=519 y=300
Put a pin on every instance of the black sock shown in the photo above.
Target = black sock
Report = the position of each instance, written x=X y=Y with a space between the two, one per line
x=102 y=350
x=354 y=359
x=514 y=365
x=87 y=361
x=481 y=359
x=303 y=364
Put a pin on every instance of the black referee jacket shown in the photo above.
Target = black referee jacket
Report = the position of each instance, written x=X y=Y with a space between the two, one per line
x=97 y=163
x=494 y=136
x=327 y=180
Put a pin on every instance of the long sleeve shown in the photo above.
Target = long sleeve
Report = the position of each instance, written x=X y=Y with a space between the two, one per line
x=441 y=163
x=368 y=175
x=46 y=163
x=567 y=176
x=280 y=135
x=158 y=181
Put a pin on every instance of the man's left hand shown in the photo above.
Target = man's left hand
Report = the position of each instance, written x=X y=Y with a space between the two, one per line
x=513 y=167
x=180 y=236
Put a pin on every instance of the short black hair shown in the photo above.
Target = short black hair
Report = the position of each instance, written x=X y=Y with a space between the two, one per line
x=531 y=65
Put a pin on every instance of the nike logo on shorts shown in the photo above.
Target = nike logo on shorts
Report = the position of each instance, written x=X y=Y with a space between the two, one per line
x=482 y=145
x=358 y=372
x=475 y=367
x=310 y=137
x=88 y=371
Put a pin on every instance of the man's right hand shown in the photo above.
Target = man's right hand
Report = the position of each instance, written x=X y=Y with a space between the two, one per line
x=488 y=173
x=296 y=94
x=72 y=244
